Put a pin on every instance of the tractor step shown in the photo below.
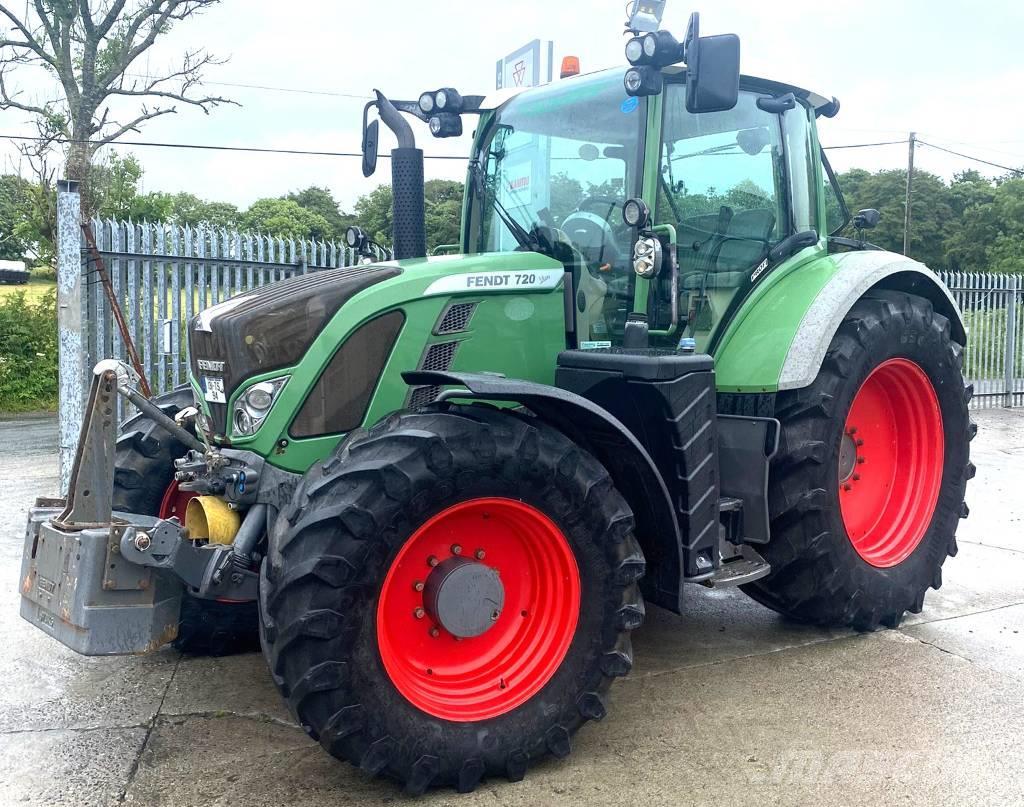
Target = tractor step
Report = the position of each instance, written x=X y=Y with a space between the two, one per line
x=745 y=567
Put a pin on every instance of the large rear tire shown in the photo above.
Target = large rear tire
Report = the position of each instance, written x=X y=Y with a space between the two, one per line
x=144 y=483
x=867 y=488
x=374 y=666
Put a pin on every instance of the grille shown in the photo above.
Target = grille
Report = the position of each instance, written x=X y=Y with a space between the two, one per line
x=439 y=356
x=421 y=396
x=455 y=318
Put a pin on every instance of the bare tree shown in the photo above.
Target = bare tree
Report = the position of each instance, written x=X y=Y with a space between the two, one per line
x=89 y=47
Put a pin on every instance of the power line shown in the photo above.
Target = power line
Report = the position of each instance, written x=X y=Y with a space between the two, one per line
x=865 y=145
x=271 y=89
x=975 y=159
x=210 y=147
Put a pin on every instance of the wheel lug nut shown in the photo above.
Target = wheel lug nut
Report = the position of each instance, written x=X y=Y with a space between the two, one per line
x=860 y=442
x=419 y=613
x=847 y=486
x=860 y=460
x=456 y=549
x=418 y=585
x=434 y=633
x=852 y=431
x=479 y=554
x=856 y=477
x=431 y=561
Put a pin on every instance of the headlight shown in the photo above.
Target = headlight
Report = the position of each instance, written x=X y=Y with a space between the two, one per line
x=647 y=256
x=427 y=103
x=441 y=99
x=650 y=45
x=253 y=405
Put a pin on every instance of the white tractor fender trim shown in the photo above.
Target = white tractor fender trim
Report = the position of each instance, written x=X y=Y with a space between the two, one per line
x=858 y=272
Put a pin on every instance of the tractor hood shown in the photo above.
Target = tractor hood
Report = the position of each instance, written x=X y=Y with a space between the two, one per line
x=269 y=328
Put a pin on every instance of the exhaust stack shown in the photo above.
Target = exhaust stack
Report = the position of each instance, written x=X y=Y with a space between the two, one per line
x=410 y=238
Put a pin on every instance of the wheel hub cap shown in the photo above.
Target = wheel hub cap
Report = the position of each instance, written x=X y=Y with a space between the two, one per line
x=465 y=597
x=478 y=609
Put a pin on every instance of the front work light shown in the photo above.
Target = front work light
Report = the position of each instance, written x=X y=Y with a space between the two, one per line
x=643 y=81
x=636 y=213
x=354 y=237
x=635 y=50
x=426 y=103
x=446 y=124
x=647 y=254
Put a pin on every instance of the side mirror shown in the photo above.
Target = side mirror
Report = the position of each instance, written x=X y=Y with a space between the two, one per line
x=713 y=73
x=866 y=219
x=370 y=141
x=712 y=69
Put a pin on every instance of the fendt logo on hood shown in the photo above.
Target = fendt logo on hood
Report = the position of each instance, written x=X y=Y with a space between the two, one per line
x=537 y=279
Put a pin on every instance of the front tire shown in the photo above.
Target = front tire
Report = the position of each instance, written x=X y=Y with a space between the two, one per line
x=375 y=672
x=867 y=488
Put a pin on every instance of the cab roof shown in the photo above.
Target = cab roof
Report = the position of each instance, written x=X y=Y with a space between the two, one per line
x=495 y=99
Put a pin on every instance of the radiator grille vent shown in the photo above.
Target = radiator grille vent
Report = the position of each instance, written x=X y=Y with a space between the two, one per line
x=456 y=318
x=421 y=396
x=439 y=356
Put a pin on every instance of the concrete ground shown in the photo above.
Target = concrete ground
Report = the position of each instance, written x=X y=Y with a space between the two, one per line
x=729 y=704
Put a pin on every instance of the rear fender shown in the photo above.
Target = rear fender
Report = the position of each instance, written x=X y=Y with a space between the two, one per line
x=779 y=337
x=630 y=466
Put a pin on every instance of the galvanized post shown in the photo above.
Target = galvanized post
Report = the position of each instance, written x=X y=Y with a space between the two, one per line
x=71 y=348
x=1011 y=339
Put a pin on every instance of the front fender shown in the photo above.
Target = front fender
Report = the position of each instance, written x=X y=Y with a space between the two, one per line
x=778 y=338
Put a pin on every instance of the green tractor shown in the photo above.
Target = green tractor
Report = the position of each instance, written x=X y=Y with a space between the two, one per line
x=448 y=485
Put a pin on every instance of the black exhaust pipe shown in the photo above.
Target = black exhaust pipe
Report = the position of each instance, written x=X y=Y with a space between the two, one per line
x=409 y=230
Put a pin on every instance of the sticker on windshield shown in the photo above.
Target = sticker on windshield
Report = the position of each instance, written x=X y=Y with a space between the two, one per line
x=595 y=345
x=630 y=105
x=538 y=279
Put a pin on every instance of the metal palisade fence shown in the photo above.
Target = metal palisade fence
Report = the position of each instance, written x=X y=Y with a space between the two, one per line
x=993 y=361
x=161 y=275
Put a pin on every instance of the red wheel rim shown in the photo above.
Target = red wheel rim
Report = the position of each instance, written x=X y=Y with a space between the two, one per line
x=175 y=501
x=890 y=467
x=484 y=676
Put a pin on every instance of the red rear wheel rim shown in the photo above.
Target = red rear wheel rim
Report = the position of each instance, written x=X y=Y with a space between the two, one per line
x=175 y=501
x=484 y=676
x=891 y=459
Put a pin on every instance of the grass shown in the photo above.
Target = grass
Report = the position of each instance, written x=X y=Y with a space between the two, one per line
x=34 y=289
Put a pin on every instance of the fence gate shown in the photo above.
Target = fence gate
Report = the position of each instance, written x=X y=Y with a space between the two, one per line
x=162 y=275
x=993 y=361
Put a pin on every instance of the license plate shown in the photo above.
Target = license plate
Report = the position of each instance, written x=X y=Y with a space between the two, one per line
x=214 y=389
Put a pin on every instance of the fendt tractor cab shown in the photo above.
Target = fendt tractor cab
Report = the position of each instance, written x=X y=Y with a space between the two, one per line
x=449 y=484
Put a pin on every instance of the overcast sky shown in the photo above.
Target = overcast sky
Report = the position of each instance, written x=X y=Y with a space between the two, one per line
x=952 y=71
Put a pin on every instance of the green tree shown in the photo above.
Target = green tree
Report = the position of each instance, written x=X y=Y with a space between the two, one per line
x=992 y=235
x=184 y=209
x=115 y=184
x=933 y=217
x=285 y=218
x=14 y=212
x=442 y=215
x=322 y=201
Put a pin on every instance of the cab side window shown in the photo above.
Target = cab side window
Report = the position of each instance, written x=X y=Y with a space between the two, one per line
x=721 y=186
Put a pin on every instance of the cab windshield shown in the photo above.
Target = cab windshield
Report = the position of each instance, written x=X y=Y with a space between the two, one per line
x=552 y=172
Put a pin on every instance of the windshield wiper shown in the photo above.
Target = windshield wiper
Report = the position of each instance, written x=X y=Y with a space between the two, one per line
x=522 y=236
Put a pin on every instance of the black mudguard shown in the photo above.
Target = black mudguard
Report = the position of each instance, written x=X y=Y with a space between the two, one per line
x=630 y=465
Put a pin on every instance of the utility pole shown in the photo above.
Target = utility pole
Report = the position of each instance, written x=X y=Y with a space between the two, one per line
x=910 y=182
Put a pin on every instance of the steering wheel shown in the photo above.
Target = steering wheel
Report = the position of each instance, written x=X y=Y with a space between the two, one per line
x=592 y=233
x=598 y=202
